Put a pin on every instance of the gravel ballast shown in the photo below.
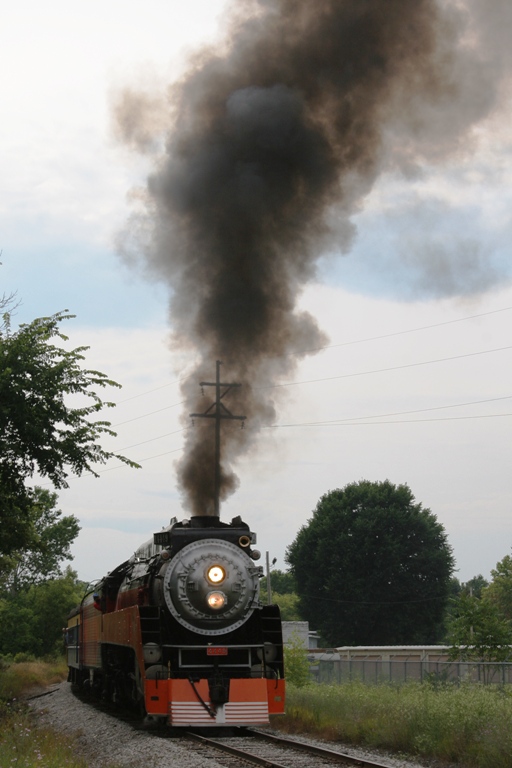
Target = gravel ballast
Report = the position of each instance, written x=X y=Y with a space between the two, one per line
x=103 y=739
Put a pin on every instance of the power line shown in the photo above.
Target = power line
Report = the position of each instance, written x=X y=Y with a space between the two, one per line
x=150 y=391
x=342 y=376
x=343 y=421
x=143 y=416
x=409 y=330
x=347 y=420
x=405 y=413
x=349 y=423
x=152 y=440
x=339 y=344
x=121 y=466
x=386 y=370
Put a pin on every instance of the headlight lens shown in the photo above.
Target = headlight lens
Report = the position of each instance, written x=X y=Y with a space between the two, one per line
x=216 y=600
x=216 y=574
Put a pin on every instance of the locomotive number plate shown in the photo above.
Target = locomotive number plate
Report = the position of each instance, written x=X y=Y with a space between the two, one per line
x=217 y=651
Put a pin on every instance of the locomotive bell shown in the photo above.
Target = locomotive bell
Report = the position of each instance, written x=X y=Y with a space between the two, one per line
x=211 y=586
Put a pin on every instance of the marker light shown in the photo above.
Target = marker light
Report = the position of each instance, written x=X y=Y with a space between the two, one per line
x=216 y=600
x=216 y=574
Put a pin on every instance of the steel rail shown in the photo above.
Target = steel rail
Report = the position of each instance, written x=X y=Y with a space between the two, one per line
x=291 y=744
x=314 y=750
x=240 y=753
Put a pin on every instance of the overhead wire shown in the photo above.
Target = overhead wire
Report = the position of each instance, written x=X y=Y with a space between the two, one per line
x=386 y=370
x=144 y=415
x=359 y=419
x=340 y=376
x=350 y=420
x=396 y=421
x=410 y=330
x=343 y=344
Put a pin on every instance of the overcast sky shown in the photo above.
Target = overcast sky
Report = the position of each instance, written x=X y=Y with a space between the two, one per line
x=415 y=383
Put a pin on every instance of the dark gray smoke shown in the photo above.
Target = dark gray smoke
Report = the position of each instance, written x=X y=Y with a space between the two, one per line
x=271 y=146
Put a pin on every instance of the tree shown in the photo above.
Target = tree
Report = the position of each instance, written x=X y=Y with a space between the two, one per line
x=283 y=594
x=40 y=430
x=474 y=586
x=372 y=567
x=499 y=591
x=51 y=538
x=478 y=631
x=280 y=581
x=32 y=620
x=288 y=604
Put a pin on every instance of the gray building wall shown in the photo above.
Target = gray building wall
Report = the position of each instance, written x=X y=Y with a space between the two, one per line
x=296 y=631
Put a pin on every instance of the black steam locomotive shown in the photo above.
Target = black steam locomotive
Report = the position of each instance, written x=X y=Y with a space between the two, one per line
x=178 y=630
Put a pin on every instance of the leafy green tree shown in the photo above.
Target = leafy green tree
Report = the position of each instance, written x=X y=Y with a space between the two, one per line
x=478 y=631
x=288 y=604
x=499 y=591
x=372 y=567
x=51 y=538
x=281 y=582
x=32 y=621
x=474 y=586
x=40 y=430
x=283 y=594
x=16 y=630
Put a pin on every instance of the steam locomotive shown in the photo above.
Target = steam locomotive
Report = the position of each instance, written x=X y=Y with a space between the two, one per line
x=178 y=630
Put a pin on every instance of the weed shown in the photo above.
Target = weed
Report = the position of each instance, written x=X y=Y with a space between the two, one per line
x=17 y=679
x=470 y=724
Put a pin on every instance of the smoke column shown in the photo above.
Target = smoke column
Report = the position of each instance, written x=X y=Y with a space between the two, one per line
x=271 y=144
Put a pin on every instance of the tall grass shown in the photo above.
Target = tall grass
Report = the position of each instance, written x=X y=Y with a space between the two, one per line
x=23 y=743
x=470 y=724
x=23 y=678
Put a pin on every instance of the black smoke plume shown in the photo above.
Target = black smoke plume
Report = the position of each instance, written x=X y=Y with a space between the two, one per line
x=272 y=142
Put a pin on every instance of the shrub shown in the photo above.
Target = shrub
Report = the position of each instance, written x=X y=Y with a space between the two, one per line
x=296 y=663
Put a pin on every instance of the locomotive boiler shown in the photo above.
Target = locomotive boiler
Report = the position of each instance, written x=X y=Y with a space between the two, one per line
x=179 y=631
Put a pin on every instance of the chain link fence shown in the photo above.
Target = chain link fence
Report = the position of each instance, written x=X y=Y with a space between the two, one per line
x=332 y=669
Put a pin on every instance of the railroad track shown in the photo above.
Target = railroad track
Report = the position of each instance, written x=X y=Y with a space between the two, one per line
x=242 y=747
x=259 y=748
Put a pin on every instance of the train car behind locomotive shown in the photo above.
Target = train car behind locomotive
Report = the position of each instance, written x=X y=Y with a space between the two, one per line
x=179 y=631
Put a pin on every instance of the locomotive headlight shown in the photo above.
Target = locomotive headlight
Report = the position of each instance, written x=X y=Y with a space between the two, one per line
x=216 y=600
x=216 y=574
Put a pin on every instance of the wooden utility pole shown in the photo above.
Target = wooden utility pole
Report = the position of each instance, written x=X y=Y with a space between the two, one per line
x=217 y=411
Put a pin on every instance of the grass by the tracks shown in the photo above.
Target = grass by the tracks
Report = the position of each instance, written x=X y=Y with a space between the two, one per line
x=23 y=742
x=23 y=678
x=470 y=725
